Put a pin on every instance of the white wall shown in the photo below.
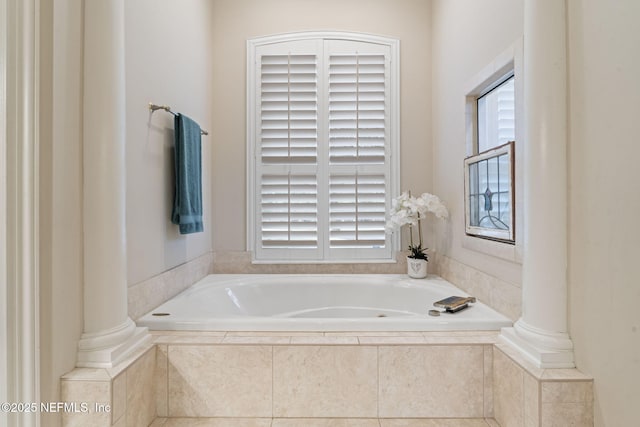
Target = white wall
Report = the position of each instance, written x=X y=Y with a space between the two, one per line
x=467 y=37
x=235 y=21
x=60 y=163
x=604 y=202
x=169 y=61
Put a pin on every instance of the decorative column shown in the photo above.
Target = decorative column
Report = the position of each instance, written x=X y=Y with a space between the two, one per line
x=541 y=332
x=109 y=334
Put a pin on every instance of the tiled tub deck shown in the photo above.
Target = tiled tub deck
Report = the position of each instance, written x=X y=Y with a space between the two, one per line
x=278 y=379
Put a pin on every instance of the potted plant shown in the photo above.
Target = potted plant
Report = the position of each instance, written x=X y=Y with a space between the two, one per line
x=409 y=210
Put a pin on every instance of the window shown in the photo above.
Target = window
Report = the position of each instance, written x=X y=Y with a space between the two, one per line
x=494 y=117
x=489 y=193
x=322 y=138
x=489 y=174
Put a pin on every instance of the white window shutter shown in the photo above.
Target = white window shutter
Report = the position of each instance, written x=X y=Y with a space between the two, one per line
x=357 y=108
x=289 y=210
x=288 y=151
x=358 y=136
x=321 y=140
x=289 y=109
x=357 y=210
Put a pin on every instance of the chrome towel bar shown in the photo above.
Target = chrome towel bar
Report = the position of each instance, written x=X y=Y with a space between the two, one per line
x=153 y=107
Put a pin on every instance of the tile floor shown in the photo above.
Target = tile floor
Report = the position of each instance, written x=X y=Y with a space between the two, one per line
x=323 y=422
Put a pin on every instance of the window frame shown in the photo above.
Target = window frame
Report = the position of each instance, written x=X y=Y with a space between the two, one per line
x=509 y=62
x=392 y=156
x=476 y=230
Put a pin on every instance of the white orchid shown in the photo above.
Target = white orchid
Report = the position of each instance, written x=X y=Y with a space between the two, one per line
x=409 y=210
x=434 y=205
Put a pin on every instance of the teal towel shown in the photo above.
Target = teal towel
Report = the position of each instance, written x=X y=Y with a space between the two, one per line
x=187 y=201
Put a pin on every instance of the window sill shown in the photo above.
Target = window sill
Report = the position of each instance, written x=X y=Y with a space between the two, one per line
x=330 y=261
x=505 y=251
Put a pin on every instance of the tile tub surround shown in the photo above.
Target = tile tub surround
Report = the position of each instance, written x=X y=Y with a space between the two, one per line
x=239 y=262
x=144 y=296
x=504 y=297
x=120 y=396
x=359 y=379
x=148 y=294
x=324 y=375
x=527 y=396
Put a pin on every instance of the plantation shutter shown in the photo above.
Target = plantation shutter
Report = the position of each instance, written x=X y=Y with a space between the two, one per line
x=321 y=135
x=288 y=147
x=357 y=109
x=289 y=210
x=358 y=139
x=357 y=210
x=289 y=109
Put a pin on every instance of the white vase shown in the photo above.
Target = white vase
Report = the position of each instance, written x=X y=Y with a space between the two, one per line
x=416 y=268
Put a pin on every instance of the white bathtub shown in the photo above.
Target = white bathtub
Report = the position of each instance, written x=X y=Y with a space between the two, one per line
x=331 y=302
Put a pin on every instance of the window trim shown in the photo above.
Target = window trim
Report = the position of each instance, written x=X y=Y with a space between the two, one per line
x=510 y=61
x=394 y=130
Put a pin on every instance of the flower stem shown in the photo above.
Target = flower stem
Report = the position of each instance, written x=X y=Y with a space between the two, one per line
x=410 y=235
x=420 y=231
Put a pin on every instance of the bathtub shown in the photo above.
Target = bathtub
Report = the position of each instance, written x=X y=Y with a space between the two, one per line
x=325 y=302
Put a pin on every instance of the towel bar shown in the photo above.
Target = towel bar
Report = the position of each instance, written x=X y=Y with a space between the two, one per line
x=153 y=107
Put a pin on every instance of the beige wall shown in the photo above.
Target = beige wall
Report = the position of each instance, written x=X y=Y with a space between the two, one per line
x=169 y=61
x=604 y=289
x=235 y=21
x=467 y=37
x=192 y=57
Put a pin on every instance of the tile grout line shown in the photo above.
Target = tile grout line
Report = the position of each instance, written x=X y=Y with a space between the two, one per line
x=484 y=382
x=378 y=383
x=539 y=408
x=272 y=385
x=166 y=398
x=524 y=392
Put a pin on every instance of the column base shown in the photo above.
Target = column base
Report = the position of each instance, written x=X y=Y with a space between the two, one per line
x=106 y=349
x=544 y=349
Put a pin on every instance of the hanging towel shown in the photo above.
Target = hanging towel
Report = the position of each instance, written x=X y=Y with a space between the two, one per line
x=187 y=202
